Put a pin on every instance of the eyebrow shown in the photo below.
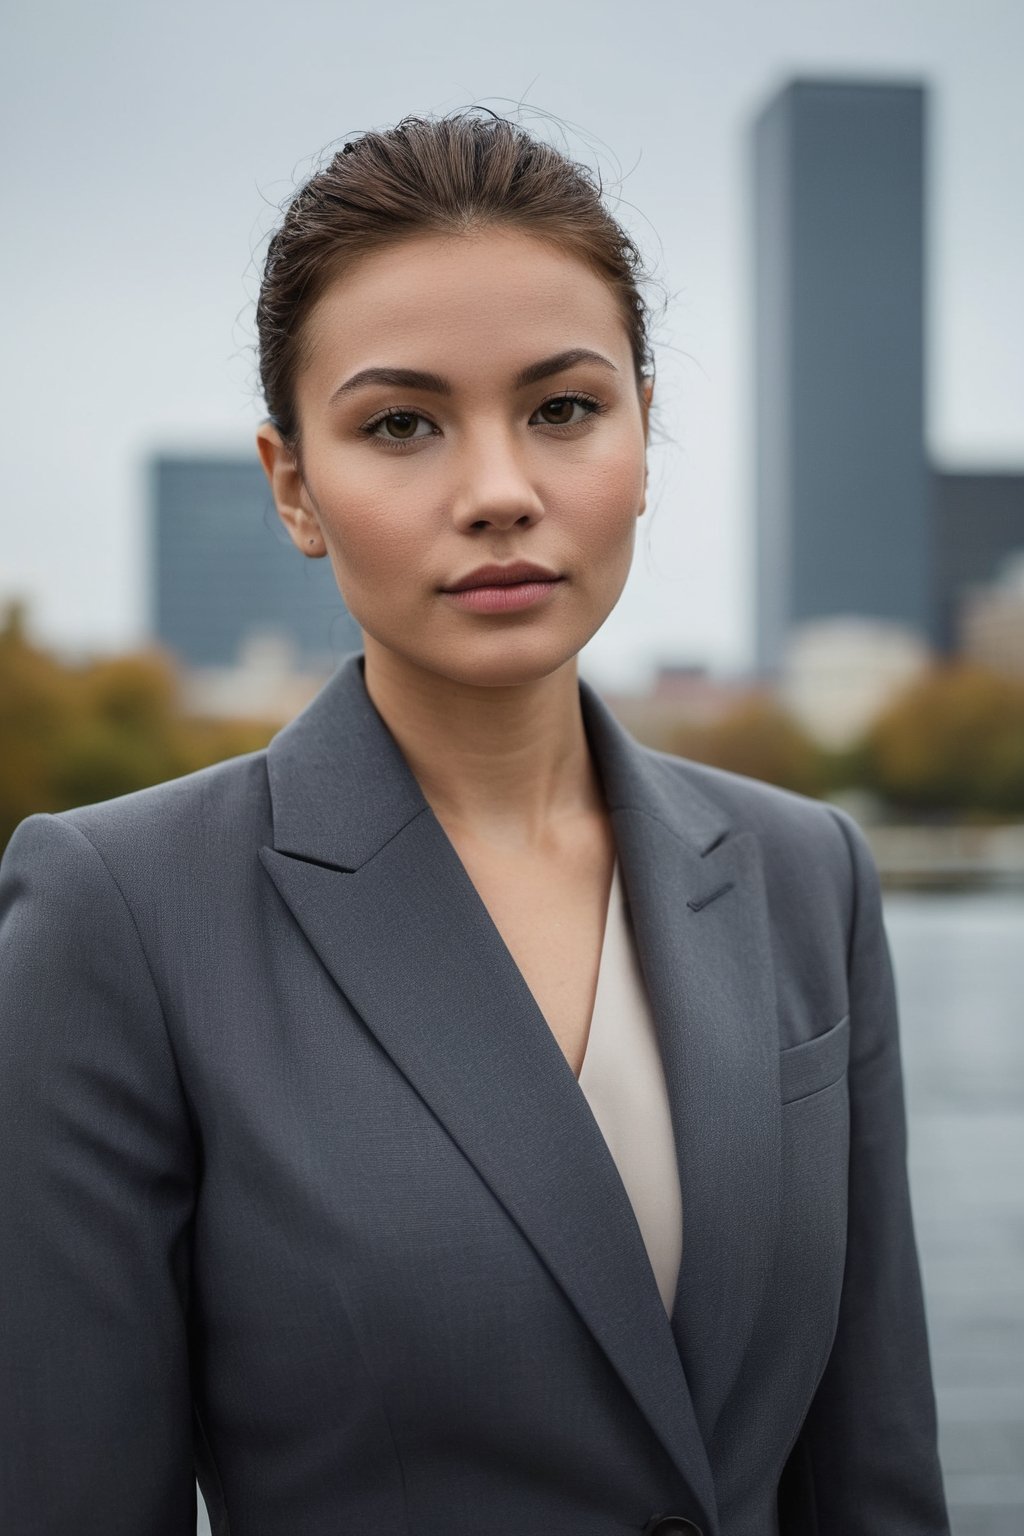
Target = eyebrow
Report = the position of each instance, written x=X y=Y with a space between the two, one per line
x=415 y=378
x=559 y=362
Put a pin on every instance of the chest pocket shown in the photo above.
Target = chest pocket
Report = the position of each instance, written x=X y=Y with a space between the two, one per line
x=815 y=1064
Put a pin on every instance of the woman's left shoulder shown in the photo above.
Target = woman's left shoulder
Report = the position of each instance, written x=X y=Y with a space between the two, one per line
x=781 y=816
x=805 y=844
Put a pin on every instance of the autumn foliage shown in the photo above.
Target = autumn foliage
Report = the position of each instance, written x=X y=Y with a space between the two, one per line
x=73 y=734
x=951 y=745
x=757 y=737
x=952 y=742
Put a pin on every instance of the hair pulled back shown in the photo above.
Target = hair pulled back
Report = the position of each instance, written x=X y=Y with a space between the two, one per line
x=466 y=171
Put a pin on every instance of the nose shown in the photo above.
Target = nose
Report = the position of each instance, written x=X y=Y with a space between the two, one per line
x=495 y=488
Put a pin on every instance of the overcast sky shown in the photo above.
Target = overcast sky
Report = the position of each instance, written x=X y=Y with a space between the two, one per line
x=147 y=146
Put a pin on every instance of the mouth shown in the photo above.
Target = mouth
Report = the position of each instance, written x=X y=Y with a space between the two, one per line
x=503 y=588
x=518 y=573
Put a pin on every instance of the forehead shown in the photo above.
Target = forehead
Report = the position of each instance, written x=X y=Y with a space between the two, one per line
x=470 y=303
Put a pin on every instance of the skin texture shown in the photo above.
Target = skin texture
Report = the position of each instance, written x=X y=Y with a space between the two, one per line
x=484 y=706
x=477 y=481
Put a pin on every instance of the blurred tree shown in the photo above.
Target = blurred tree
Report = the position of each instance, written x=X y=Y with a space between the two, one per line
x=123 y=736
x=761 y=739
x=34 y=702
x=953 y=742
x=73 y=734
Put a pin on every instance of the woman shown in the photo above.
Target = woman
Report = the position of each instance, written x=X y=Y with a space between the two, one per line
x=457 y=1118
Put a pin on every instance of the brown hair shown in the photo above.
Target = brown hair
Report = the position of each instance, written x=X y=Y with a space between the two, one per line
x=451 y=174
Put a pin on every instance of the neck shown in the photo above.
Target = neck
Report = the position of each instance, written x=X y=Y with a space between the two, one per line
x=502 y=764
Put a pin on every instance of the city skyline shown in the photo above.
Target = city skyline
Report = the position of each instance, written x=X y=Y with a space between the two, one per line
x=156 y=151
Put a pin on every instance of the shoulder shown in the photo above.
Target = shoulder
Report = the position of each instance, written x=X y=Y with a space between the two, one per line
x=790 y=825
x=213 y=802
x=168 y=833
x=816 y=862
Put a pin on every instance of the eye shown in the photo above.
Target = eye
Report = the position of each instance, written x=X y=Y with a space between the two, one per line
x=566 y=410
x=396 y=427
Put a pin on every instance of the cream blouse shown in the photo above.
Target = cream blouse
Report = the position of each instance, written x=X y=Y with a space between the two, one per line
x=624 y=1083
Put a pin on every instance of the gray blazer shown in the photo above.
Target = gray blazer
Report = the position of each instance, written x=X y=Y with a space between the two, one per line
x=299 y=1190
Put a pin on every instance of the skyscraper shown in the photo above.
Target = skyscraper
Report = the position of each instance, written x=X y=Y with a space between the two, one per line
x=843 y=517
x=224 y=570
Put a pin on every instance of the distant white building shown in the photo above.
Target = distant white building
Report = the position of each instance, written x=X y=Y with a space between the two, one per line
x=267 y=682
x=839 y=674
x=992 y=620
x=678 y=696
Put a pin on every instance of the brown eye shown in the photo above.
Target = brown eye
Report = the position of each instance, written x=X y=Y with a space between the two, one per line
x=558 y=413
x=565 y=411
x=401 y=424
x=396 y=428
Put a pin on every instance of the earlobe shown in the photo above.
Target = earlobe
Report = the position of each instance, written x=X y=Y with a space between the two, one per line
x=288 y=489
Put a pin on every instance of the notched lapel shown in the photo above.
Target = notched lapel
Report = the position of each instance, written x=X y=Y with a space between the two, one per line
x=411 y=946
x=376 y=886
x=702 y=937
x=695 y=885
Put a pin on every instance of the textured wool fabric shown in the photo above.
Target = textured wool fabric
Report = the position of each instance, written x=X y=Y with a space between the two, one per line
x=298 y=1189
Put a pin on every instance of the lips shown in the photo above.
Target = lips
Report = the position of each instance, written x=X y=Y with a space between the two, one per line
x=490 y=576
x=496 y=592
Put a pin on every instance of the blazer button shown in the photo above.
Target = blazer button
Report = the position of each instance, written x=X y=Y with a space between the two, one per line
x=671 y=1525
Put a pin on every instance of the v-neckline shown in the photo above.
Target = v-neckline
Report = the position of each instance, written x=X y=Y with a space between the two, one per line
x=610 y=917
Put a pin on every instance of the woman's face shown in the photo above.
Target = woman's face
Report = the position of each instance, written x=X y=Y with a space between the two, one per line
x=468 y=406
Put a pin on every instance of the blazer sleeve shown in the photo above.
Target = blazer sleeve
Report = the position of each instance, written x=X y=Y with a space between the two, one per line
x=96 y=1192
x=866 y=1461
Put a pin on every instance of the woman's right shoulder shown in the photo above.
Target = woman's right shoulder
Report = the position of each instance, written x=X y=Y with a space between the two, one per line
x=203 y=820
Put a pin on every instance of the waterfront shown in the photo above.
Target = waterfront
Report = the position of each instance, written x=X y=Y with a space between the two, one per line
x=959 y=962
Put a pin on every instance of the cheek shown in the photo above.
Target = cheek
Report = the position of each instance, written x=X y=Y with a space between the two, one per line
x=604 y=505
x=371 y=538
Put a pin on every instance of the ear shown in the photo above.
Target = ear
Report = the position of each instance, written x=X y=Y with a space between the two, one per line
x=294 y=504
x=646 y=396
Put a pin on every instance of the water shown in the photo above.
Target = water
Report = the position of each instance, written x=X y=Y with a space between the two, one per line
x=959 y=963
x=960 y=974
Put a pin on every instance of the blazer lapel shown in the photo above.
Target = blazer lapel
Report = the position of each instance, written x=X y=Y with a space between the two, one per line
x=414 y=950
x=370 y=876
x=697 y=902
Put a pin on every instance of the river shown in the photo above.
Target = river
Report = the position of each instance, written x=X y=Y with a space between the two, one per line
x=959 y=964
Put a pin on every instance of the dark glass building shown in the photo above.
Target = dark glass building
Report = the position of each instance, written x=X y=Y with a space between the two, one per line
x=224 y=569
x=843 y=488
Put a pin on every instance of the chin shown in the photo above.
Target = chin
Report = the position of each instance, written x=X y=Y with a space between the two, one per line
x=508 y=672
x=505 y=659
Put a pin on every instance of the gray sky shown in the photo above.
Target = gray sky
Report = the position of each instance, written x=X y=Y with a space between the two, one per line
x=146 y=148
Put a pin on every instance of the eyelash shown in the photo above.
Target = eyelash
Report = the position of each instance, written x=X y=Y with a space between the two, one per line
x=593 y=407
